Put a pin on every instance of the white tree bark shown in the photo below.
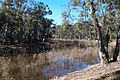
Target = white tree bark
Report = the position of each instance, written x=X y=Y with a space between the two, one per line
x=103 y=59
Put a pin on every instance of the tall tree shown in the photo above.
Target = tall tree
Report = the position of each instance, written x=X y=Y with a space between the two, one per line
x=24 y=21
x=114 y=17
x=103 y=51
x=94 y=10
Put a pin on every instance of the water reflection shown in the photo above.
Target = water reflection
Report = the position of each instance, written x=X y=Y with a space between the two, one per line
x=68 y=60
x=62 y=65
x=44 y=66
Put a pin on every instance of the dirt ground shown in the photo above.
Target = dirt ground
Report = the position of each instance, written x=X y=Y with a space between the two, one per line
x=95 y=72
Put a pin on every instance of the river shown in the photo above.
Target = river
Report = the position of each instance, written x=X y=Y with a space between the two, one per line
x=47 y=65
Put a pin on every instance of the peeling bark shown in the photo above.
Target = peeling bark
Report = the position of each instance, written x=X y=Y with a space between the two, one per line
x=103 y=51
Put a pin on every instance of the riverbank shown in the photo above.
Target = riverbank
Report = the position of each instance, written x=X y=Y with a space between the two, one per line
x=95 y=72
x=39 y=47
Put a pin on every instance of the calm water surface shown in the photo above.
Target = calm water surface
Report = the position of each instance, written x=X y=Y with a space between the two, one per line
x=63 y=61
x=47 y=65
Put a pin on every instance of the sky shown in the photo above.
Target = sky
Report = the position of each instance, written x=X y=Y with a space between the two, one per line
x=57 y=6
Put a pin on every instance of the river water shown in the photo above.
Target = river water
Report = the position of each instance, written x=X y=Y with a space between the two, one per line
x=47 y=65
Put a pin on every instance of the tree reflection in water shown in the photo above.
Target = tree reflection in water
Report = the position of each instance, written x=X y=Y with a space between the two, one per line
x=46 y=65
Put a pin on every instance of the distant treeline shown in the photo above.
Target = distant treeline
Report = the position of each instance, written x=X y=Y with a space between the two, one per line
x=78 y=31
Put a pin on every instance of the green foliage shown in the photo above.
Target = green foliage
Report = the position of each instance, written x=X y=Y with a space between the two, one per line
x=106 y=11
x=79 y=30
x=23 y=21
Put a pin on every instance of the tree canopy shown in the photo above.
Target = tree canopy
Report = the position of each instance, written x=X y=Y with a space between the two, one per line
x=96 y=19
x=23 y=21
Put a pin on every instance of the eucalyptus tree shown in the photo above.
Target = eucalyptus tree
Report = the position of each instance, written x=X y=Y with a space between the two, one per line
x=24 y=21
x=114 y=15
x=38 y=27
x=92 y=10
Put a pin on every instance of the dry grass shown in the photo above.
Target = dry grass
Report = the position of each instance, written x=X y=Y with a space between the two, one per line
x=85 y=54
x=29 y=67
x=21 y=67
x=94 y=72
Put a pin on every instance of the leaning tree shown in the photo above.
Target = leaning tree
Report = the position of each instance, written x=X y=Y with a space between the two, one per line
x=105 y=17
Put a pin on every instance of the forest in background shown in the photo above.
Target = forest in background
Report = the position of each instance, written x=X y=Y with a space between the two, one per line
x=24 y=28
x=23 y=22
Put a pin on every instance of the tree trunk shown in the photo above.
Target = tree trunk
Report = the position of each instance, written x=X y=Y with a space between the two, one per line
x=116 y=52
x=103 y=52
